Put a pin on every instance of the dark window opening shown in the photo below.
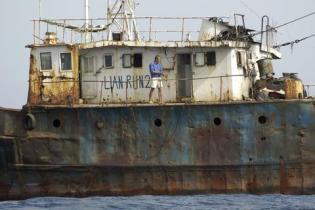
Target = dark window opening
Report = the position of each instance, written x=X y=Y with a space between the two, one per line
x=108 y=61
x=117 y=36
x=65 y=61
x=45 y=61
x=137 y=60
x=239 y=59
x=211 y=58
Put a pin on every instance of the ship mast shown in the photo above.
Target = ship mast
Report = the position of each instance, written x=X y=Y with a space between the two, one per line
x=86 y=24
x=86 y=13
x=121 y=17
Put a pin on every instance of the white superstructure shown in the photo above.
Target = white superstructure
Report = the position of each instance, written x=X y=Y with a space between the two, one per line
x=215 y=62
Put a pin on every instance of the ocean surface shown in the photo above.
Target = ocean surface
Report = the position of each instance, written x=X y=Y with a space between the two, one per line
x=203 y=202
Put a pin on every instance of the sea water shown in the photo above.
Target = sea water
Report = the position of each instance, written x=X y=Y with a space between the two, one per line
x=202 y=202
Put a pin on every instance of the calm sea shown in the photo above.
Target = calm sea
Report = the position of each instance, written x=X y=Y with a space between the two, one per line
x=217 y=202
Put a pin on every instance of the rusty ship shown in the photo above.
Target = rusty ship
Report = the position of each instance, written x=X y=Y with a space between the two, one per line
x=225 y=124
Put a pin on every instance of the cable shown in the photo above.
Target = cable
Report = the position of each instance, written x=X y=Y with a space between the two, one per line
x=250 y=9
x=295 y=20
x=284 y=24
x=294 y=42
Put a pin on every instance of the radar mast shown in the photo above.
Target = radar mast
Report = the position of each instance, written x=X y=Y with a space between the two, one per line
x=121 y=19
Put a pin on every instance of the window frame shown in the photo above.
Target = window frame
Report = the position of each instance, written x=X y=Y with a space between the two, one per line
x=104 y=61
x=123 y=61
x=82 y=68
x=133 y=60
x=60 y=63
x=204 y=59
x=51 y=61
x=215 y=58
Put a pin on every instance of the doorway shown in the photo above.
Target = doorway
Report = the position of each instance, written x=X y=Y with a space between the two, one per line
x=184 y=76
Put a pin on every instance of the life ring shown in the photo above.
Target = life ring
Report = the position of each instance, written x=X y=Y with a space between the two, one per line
x=30 y=121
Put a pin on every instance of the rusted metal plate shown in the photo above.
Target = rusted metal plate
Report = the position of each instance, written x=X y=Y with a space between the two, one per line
x=54 y=86
x=218 y=148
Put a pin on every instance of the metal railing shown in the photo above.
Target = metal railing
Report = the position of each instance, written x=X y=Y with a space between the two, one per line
x=310 y=90
x=74 y=31
x=129 y=86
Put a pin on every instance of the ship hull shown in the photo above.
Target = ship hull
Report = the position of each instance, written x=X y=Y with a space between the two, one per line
x=170 y=149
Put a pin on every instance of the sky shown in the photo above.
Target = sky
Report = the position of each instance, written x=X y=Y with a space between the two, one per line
x=16 y=31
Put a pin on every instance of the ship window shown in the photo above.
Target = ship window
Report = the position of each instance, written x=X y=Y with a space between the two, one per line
x=45 y=61
x=65 y=59
x=127 y=61
x=211 y=58
x=108 y=61
x=239 y=59
x=137 y=60
x=88 y=64
x=199 y=59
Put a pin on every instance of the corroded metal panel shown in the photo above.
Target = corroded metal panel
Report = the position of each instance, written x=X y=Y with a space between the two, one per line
x=54 y=86
x=172 y=149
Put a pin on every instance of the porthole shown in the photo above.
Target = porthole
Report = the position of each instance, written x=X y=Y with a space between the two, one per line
x=262 y=120
x=158 y=122
x=57 y=123
x=217 y=121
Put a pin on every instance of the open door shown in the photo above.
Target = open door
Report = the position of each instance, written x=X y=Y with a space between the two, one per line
x=184 y=76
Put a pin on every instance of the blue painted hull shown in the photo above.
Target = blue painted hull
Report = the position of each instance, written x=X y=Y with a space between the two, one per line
x=247 y=147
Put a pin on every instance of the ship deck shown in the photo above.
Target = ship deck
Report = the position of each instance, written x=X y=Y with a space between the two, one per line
x=105 y=105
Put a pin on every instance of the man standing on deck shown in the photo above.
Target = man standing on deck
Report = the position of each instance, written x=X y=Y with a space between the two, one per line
x=156 y=71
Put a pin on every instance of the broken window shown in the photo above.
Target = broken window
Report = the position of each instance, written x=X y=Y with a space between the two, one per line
x=211 y=58
x=240 y=58
x=108 y=61
x=45 y=61
x=88 y=64
x=65 y=60
x=199 y=59
x=127 y=61
x=137 y=60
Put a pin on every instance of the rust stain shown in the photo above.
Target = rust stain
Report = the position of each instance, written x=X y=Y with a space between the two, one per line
x=293 y=89
x=54 y=87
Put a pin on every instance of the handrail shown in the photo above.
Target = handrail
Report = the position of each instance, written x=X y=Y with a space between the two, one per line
x=138 y=17
x=72 y=31
x=307 y=88
x=126 y=83
x=146 y=80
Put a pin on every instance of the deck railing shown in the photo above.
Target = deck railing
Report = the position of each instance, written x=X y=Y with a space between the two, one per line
x=221 y=82
x=310 y=90
x=222 y=90
x=74 y=31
